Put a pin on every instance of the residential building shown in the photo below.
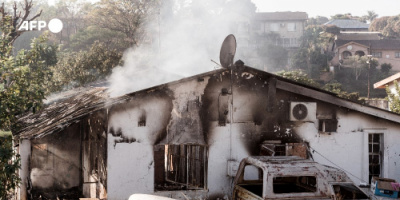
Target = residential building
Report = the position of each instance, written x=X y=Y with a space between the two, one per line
x=389 y=82
x=385 y=51
x=185 y=139
x=289 y=26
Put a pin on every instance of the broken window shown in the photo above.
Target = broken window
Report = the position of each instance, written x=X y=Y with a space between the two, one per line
x=185 y=167
x=252 y=179
x=348 y=191
x=327 y=125
x=375 y=154
x=275 y=148
x=294 y=184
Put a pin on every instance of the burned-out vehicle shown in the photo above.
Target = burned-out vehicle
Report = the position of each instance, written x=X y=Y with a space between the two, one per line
x=291 y=177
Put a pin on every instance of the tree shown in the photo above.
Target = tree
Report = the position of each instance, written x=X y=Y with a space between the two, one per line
x=81 y=68
x=371 y=15
x=15 y=20
x=360 y=65
x=312 y=54
x=318 y=20
x=393 y=98
x=385 y=68
x=24 y=77
x=9 y=164
x=129 y=17
x=388 y=26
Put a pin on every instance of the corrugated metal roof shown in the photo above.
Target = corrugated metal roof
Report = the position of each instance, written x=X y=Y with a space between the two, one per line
x=348 y=23
x=281 y=16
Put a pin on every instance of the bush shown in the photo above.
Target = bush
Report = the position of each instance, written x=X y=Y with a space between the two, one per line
x=9 y=164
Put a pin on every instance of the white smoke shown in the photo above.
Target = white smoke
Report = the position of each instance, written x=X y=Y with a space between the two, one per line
x=188 y=35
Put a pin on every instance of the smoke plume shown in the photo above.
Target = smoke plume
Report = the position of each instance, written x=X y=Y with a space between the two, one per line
x=186 y=36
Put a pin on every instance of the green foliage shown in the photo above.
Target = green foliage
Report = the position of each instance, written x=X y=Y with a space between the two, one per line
x=9 y=164
x=85 y=38
x=23 y=78
x=337 y=88
x=298 y=76
x=385 y=68
x=361 y=65
x=80 y=68
x=393 y=98
x=128 y=17
x=311 y=55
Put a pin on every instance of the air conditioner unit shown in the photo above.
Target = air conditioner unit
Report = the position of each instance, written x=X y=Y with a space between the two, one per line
x=282 y=24
x=303 y=111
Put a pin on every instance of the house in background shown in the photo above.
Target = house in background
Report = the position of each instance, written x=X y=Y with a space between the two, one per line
x=289 y=26
x=185 y=139
x=389 y=82
x=351 y=25
x=385 y=51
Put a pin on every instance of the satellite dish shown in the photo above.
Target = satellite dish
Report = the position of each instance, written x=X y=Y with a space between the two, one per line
x=228 y=50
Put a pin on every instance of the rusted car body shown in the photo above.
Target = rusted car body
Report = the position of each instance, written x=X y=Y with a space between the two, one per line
x=291 y=177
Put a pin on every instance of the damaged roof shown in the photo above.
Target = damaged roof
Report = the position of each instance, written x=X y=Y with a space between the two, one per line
x=62 y=112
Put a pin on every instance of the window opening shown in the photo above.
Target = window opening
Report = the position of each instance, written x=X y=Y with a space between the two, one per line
x=377 y=54
x=185 y=167
x=375 y=155
x=294 y=184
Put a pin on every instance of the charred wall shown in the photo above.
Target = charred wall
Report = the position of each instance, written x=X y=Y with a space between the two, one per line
x=55 y=164
x=94 y=154
x=231 y=114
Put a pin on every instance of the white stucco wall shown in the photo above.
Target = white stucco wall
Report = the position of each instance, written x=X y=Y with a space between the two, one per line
x=131 y=164
x=348 y=147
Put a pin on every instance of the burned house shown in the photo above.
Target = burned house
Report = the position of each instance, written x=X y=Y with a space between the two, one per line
x=185 y=139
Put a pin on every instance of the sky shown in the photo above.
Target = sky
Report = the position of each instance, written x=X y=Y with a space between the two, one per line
x=329 y=8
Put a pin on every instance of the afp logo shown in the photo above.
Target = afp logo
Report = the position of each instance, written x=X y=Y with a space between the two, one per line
x=55 y=25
